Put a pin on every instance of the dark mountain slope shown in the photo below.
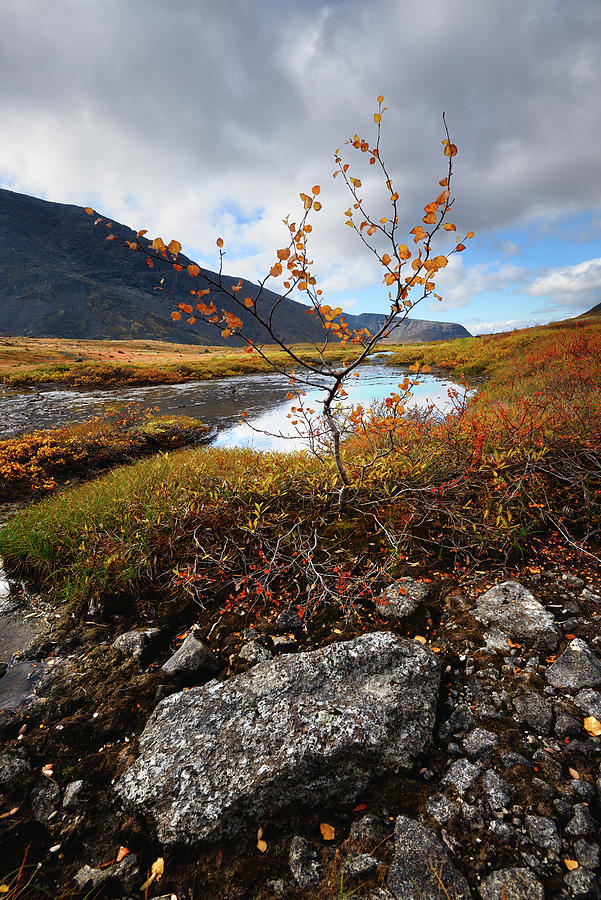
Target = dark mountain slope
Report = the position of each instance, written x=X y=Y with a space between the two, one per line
x=59 y=277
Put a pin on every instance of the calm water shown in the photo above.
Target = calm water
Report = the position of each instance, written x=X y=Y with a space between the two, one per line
x=218 y=403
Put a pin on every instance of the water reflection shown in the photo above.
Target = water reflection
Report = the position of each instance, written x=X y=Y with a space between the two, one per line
x=218 y=403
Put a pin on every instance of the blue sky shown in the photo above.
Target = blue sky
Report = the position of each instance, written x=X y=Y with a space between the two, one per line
x=195 y=119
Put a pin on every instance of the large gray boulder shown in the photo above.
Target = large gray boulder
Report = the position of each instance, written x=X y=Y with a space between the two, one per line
x=511 y=608
x=304 y=729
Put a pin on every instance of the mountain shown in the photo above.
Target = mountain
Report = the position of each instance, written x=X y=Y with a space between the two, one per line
x=594 y=311
x=59 y=277
x=411 y=331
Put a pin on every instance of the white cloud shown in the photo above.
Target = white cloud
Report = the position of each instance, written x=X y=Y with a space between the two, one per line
x=578 y=285
x=459 y=284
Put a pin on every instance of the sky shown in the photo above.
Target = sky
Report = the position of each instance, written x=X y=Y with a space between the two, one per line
x=197 y=119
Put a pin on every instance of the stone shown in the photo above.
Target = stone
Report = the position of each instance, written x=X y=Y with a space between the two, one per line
x=582 y=883
x=479 y=744
x=512 y=884
x=304 y=862
x=288 y=620
x=307 y=729
x=511 y=608
x=370 y=829
x=573 y=581
x=496 y=790
x=44 y=800
x=589 y=702
x=359 y=865
x=136 y=643
x=402 y=598
x=501 y=831
x=543 y=833
x=460 y=721
x=587 y=854
x=535 y=711
x=460 y=775
x=254 y=652
x=193 y=656
x=566 y=726
x=495 y=639
x=581 y=824
x=442 y=809
x=126 y=873
x=13 y=769
x=421 y=863
x=576 y=668
x=72 y=795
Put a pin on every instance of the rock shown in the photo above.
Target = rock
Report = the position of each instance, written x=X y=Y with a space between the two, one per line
x=589 y=702
x=359 y=865
x=442 y=809
x=473 y=815
x=370 y=830
x=576 y=668
x=543 y=833
x=44 y=800
x=535 y=711
x=582 y=883
x=460 y=721
x=587 y=854
x=480 y=743
x=495 y=639
x=304 y=862
x=590 y=596
x=136 y=643
x=566 y=726
x=515 y=611
x=72 y=795
x=421 y=863
x=284 y=642
x=581 y=824
x=501 y=831
x=13 y=769
x=512 y=884
x=572 y=580
x=402 y=598
x=193 y=656
x=308 y=729
x=126 y=873
x=496 y=790
x=460 y=775
x=288 y=620
x=253 y=652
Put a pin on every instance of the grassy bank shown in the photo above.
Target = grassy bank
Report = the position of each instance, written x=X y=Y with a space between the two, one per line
x=86 y=364
x=37 y=463
x=513 y=475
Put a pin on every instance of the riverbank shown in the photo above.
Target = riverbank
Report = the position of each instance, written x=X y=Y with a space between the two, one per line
x=29 y=362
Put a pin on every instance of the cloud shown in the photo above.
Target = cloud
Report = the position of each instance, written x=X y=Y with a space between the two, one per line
x=459 y=285
x=196 y=119
x=578 y=285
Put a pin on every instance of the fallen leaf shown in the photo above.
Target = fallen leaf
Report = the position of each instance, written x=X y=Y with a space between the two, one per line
x=156 y=873
x=592 y=725
x=327 y=832
x=418 y=637
x=511 y=643
x=574 y=774
x=261 y=845
x=11 y=812
x=571 y=864
x=218 y=858
x=360 y=807
x=122 y=853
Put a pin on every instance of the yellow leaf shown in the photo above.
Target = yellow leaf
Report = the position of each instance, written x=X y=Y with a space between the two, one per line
x=470 y=234
x=574 y=774
x=571 y=864
x=157 y=868
x=90 y=212
x=419 y=638
x=283 y=254
x=158 y=243
x=355 y=182
x=385 y=259
x=4 y=888
x=592 y=725
x=440 y=261
x=261 y=845
x=193 y=270
x=380 y=99
x=317 y=206
x=450 y=150
x=377 y=118
x=448 y=226
x=404 y=251
x=174 y=247
x=122 y=853
x=327 y=831
x=176 y=316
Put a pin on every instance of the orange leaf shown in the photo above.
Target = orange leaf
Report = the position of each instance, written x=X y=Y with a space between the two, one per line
x=226 y=333
x=385 y=259
x=317 y=206
x=448 y=226
x=460 y=247
x=89 y=210
x=404 y=251
x=176 y=316
x=276 y=270
x=284 y=254
x=592 y=725
x=248 y=301
x=174 y=247
x=193 y=270
x=571 y=864
x=380 y=99
x=419 y=639
x=377 y=118
x=158 y=244
x=219 y=242
x=450 y=150
x=122 y=853
x=261 y=845
x=327 y=831
x=316 y=189
x=574 y=774
x=177 y=267
x=470 y=234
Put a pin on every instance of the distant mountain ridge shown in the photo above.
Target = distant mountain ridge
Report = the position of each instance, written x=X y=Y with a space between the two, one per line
x=59 y=277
